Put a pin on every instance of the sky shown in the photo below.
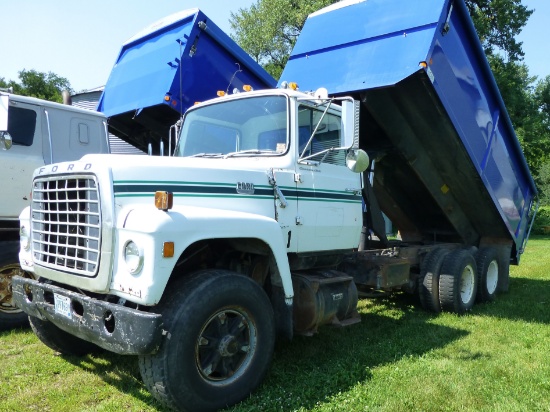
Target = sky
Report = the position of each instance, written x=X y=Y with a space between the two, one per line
x=80 y=40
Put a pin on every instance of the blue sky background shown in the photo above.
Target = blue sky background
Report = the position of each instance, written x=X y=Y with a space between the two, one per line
x=80 y=40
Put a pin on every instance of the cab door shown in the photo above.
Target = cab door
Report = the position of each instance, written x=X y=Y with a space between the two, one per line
x=19 y=162
x=328 y=193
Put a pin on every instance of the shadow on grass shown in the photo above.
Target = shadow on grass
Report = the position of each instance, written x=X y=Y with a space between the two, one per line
x=527 y=301
x=119 y=371
x=309 y=370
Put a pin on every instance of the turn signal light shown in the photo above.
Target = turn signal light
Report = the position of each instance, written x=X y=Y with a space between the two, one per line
x=247 y=88
x=164 y=200
x=168 y=249
x=220 y=93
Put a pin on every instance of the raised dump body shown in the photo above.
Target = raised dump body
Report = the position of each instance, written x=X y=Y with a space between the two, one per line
x=447 y=164
x=168 y=67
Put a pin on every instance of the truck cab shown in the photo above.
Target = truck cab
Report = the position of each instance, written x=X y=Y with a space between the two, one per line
x=34 y=133
x=299 y=143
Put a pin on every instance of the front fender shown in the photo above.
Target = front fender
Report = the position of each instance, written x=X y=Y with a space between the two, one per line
x=150 y=228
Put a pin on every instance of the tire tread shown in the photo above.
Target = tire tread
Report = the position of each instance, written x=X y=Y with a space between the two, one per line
x=449 y=281
x=428 y=288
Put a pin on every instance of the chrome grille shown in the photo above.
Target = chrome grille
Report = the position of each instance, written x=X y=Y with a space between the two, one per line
x=66 y=224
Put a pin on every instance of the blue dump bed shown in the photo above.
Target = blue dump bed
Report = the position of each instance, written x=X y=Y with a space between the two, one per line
x=166 y=68
x=448 y=165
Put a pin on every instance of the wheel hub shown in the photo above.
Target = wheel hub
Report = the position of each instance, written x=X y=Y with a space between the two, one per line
x=467 y=284
x=228 y=346
x=223 y=346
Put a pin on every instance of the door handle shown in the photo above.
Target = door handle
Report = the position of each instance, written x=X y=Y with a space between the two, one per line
x=353 y=190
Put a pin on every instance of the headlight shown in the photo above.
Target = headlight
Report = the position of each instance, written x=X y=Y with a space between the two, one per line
x=24 y=238
x=133 y=257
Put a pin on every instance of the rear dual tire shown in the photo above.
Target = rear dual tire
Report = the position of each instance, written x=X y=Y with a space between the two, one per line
x=428 y=286
x=458 y=282
x=489 y=273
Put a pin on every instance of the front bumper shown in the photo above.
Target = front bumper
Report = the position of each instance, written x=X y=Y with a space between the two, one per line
x=111 y=326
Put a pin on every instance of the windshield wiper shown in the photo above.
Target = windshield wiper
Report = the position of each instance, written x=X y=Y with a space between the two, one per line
x=248 y=152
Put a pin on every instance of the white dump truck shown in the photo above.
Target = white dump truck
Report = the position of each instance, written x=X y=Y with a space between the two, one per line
x=265 y=220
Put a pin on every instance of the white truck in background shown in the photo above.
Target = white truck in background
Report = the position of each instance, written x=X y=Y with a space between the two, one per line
x=34 y=133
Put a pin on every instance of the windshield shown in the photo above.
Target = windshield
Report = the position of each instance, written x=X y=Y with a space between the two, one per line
x=249 y=126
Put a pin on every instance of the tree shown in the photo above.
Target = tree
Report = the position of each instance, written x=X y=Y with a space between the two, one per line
x=544 y=183
x=542 y=96
x=47 y=86
x=269 y=28
x=524 y=106
x=497 y=23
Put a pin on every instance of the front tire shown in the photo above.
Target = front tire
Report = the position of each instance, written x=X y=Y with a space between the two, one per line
x=61 y=341
x=458 y=282
x=219 y=342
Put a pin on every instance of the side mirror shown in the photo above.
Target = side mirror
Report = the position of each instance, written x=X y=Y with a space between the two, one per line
x=357 y=160
x=5 y=140
x=350 y=123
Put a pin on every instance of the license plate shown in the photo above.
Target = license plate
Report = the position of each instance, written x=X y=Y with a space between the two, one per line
x=62 y=305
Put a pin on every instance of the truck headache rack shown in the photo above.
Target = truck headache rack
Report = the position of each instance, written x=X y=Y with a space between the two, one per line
x=66 y=224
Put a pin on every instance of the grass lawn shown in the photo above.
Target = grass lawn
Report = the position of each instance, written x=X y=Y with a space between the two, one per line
x=399 y=358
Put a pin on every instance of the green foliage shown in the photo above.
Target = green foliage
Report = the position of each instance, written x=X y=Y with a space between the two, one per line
x=542 y=99
x=269 y=28
x=543 y=183
x=543 y=96
x=498 y=22
x=525 y=105
x=542 y=221
x=47 y=86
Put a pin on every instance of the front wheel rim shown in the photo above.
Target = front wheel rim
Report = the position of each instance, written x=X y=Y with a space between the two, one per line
x=6 y=296
x=225 y=346
x=467 y=282
x=492 y=277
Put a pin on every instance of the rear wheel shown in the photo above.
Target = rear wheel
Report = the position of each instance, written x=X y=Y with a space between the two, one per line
x=219 y=343
x=10 y=315
x=488 y=274
x=458 y=282
x=428 y=287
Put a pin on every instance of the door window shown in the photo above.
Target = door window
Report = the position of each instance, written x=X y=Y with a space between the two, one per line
x=327 y=136
x=21 y=125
